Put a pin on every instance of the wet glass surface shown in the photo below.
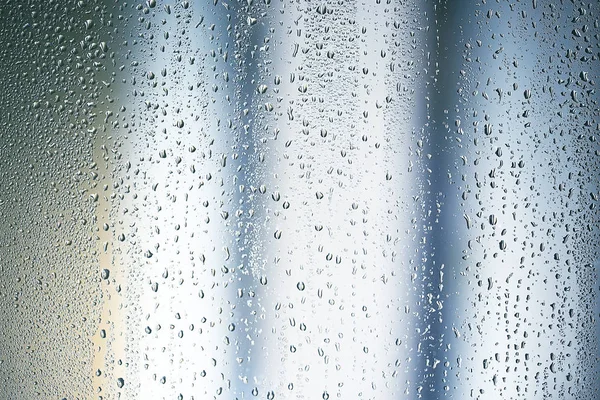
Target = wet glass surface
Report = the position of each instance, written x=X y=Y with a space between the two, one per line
x=289 y=199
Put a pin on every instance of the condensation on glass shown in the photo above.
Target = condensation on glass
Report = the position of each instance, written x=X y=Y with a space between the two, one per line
x=293 y=199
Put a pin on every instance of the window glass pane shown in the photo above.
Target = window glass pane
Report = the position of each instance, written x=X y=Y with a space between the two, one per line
x=290 y=199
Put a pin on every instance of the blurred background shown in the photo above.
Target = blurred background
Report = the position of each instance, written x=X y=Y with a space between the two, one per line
x=290 y=199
